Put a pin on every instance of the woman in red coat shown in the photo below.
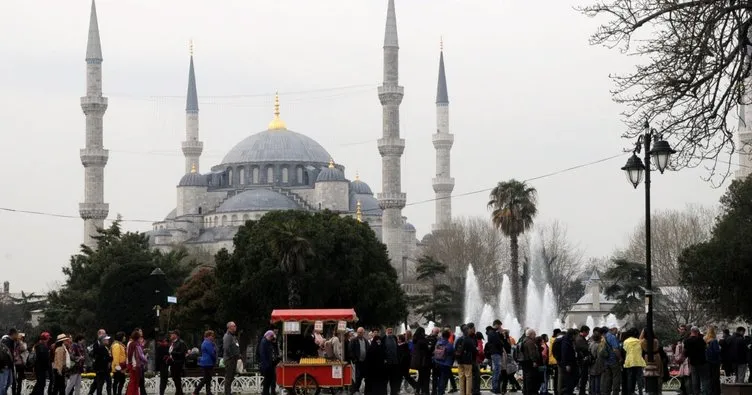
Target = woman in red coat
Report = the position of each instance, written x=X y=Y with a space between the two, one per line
x=135 y=363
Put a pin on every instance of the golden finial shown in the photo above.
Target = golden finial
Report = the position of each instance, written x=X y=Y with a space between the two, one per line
x=357 y=175
x=277 y=123
x=190 y=47
x=358 y=212
x=331 y=163
x=441 y=43
x=193 y=167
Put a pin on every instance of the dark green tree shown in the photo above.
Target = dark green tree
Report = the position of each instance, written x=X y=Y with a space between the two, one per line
x=291 y=250
x=514 y=206
x=196 y=309
x=441 y=303
x=718 y=272
x=110 y=287
x=625 y=283
x=349 y=267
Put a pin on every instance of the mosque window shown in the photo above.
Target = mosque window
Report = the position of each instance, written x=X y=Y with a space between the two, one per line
x=241 y=175
x=229 y=176
x=269 y=175
x=299 y=170
x=255 y=175
x=199 y=210
x=246 y=217
x=234 y=220
x=224 y=220
x=305 y=178
x=285 y=176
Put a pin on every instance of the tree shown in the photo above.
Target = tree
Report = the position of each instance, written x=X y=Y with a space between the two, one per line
x=110 y=287
x=291 y=249
x=469 y=240
x=718 y=272
x=349 y=268
x=513 y=204
x=625 y=283
x=198 y=299
x=696 y=70
x=563 y=265
x=436 y=306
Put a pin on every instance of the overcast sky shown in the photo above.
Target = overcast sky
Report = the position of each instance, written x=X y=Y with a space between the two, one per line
x=528 y=96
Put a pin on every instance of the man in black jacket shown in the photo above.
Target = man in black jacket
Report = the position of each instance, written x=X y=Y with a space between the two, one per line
x=392 y=359
x=177 y=352
x=466 y=352
x=494 y=350
x=738 y=354
x=103 y=365
x=358 y=347
x=567 y=361
x=582 y=350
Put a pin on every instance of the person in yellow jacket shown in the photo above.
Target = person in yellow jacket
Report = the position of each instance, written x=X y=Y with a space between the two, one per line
x=118 y=363
x=553 y=365
x=634 y=363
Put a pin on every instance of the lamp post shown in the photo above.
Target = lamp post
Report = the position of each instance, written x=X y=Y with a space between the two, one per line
x=635 y=169
x=157 y=276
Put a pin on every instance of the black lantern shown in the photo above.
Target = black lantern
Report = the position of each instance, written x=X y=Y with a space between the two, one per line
x=661 y=153
x=634 y=170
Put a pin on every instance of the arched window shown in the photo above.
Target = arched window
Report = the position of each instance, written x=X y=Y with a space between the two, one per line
x=255 y=175
x=269 y=175
x=285 y=178
x=305 y=178
x=299 y=170
x=234 y=220
x=245 y=218
x=199 y=209
x=241 y=174
x=224 y=220
x=229 y=176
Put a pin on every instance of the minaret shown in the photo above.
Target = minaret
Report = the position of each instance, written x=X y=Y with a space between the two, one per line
x=391 y=146
x=192 y=148
x=443 y=184
x=94 y=157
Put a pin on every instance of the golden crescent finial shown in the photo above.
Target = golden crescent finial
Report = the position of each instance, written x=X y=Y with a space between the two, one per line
x=193 y=167
x=358 y=212
x=277 y=123
x=357 y=175
x=190 y=46
x=331 y=163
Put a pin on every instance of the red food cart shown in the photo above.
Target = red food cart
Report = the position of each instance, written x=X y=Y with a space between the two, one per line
x=310 y=375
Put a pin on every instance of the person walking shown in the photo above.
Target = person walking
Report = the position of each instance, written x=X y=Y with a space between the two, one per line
x=136 y=362
x=41 y=363
x=118 y=363
x=78 y=359
x=466 y=351
x=231 y=356
x=206 y=362
x=178 y=350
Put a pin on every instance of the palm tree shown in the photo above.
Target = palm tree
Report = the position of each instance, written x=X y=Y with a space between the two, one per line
x=291 y=249
x=513 y=208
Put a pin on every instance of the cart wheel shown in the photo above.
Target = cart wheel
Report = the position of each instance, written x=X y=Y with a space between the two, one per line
x=305 y=384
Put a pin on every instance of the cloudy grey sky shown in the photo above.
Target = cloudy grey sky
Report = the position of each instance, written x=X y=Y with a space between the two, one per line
x=528 y=96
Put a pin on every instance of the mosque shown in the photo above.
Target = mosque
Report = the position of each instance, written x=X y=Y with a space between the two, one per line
x=274 y=169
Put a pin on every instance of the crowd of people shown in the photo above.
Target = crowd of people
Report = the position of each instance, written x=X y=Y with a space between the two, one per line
x=601 y=361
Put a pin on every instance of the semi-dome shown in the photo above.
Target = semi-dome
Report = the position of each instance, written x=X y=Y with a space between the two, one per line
x=257 y=200
x=193 y=179
x=330 y=173
x=277 y=144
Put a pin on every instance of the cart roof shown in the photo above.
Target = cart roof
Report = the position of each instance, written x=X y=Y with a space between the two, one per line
x=314 y=315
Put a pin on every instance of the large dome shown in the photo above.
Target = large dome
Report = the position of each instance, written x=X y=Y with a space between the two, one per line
x=277 y=146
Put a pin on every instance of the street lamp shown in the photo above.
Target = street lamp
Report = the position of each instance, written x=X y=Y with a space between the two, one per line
x=157 y=276
x=635 y=170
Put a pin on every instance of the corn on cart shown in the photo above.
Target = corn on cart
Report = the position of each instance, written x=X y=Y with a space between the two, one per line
x=310 y=375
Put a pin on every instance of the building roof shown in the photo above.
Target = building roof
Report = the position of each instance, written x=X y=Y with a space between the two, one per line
x=369 y=205
x=191 y=101
x=390 y=33
x=331 y=174
x=93 y=45
x=193 y=180
x=409 y=227
x=277 y=146
x=257 y=200
x=442 y=96
x=360 y=188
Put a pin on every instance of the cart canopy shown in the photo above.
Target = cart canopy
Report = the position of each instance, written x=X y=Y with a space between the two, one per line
x=314 y=315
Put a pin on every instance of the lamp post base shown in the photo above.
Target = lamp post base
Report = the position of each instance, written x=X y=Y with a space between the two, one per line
x=652 y=379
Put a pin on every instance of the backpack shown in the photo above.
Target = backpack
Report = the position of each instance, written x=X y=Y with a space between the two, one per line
x=6 y=359
x=605 y=352
x=31 y=360
x=713 y=352
x=459 y=348
x=439 y=352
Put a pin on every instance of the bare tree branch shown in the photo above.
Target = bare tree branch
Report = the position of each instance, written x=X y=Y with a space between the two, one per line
x=563 y=263
x=696 y=73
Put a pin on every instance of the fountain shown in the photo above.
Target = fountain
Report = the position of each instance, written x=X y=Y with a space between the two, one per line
x=487 y=317
x=429 y=327
x=473 y=300
x=505 y=298
x=548 y=311
x=532 y=301
x=590 y=322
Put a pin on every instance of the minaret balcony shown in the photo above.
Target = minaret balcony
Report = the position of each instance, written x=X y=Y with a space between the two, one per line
x=392 y=200
x=391 y=146
x=94 y=157
x=93 y=104
x=192 y=148
x=391 y=94
x=443 y=184
x=442 y=140
x=94 y=210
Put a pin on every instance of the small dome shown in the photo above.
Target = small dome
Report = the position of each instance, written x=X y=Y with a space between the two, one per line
x=360 y=188
x=257 y=200
x=193 y=180
x=409 y=227
x=369 y=205
x=330 y=174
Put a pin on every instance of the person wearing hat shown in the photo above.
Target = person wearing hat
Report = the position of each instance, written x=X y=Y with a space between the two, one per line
x=41 y=363
x=60 y=363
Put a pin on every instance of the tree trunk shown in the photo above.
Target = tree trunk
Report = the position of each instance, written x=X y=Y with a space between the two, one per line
x=514 y=276
x=293 y=292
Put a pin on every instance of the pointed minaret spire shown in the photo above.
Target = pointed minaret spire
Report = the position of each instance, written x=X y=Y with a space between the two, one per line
x=94 y=157
x=391 y=146
x=192 y=147
x=94 y=45
x=443 y=183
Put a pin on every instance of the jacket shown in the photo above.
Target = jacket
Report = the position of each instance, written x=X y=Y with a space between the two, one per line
x=102 y=359
x=391 y=355
x=118 y=356
x=493 y=343
x=568 y=352
x=694 y=349
x=551 y=358
x=448 y=353
x=470 y=350
x=178 y=351
x=599 y=363
x=208 y=356
x=266 y=354
x=61 y=358
x=230 y=347
x=633 y=349
x=421 y=357
x=42 y=361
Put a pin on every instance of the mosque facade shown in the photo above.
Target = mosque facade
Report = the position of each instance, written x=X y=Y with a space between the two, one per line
x=275 y=169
